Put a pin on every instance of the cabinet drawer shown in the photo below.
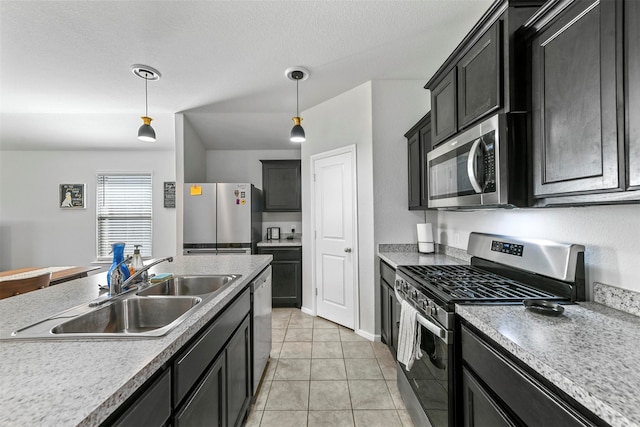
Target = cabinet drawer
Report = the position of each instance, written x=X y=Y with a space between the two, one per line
x=533 y=403
x=290 y=253
x=153 y=408
x=194 y=361
x=387 y=273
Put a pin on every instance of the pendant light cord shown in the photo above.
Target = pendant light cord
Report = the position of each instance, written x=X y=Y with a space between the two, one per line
x=146 y=109
x=297 y=110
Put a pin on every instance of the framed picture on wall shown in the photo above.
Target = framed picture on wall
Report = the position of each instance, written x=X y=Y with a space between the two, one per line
x=72 y=196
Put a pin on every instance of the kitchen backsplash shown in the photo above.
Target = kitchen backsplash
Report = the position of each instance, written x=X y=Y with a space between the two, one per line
x=618 y=298
x=413 y=247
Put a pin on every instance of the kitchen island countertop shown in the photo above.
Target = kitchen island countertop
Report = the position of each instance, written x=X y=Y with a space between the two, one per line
x=82 y=381
x=590 y=352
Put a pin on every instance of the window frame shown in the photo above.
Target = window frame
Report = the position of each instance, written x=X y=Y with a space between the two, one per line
x=147 y=217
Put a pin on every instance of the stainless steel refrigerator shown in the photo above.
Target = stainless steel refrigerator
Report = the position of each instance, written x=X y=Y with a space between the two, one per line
x=221 y=218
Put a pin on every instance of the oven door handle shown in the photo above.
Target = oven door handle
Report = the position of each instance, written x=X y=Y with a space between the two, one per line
x=471 y=170
x=435 y=329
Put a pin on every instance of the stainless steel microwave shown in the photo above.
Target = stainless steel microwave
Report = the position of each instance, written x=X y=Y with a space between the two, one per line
x=484 y=166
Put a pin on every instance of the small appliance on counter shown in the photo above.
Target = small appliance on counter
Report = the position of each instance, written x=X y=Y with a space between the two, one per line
x=273 y=233
x=425 y=238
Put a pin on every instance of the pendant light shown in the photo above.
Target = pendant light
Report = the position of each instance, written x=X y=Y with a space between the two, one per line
x=297 y=74
x=146 y=132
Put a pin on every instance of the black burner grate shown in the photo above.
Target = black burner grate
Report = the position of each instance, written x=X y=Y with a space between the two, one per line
x=467 y=283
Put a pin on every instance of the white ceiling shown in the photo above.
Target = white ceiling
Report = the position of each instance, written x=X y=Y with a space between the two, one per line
x=66 y=83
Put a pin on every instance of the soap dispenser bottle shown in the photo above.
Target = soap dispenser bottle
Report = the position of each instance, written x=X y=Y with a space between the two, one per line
x=136 y=262
x=118 y=257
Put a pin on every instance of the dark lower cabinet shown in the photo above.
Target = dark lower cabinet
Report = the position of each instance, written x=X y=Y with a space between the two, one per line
x=208 y=383
x=389 y=307
x=152 y=408
x=286 y=287
x=207 y=405
x=238 y=355
x=222 y=397
x=212 y=376
x=496 y=391
x=479 y=408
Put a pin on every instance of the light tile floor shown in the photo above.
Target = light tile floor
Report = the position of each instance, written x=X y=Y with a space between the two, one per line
x=321 y=374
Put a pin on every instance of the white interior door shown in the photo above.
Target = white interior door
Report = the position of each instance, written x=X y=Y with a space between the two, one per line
x=335 y=256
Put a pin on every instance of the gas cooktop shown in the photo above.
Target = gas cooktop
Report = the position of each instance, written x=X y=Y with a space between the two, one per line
x=468 y=283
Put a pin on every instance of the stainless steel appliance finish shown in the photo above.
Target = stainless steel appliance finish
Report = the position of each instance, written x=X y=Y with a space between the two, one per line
x=484 y=166
x=555 y=260
x=503 y=270
x=221 y=218
x=261 y=324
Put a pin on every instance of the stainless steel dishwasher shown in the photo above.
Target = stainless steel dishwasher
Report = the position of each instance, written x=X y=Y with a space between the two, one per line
x=260 y=324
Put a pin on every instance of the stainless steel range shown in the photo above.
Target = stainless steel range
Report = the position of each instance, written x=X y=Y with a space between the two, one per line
x=503 y=270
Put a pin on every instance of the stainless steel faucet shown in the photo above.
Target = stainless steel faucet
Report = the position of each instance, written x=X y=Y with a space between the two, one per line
x=117 y=285
x=143 y=273
x=115 y=281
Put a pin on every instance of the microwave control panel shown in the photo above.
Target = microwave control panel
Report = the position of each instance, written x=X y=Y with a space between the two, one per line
x=489 y=144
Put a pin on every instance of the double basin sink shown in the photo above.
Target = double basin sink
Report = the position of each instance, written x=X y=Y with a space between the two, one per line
x=149 y=312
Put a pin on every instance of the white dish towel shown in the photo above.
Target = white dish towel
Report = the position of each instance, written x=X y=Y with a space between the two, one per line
x=409 y=336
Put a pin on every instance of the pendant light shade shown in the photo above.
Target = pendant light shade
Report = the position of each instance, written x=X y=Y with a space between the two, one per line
x=297 y=133
x=297 y=74
x=146 y=133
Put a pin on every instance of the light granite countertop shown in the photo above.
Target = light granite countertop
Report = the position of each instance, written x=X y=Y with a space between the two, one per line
x=81 y=382
x=296 y=241
x=591 y=352
x=395 y=259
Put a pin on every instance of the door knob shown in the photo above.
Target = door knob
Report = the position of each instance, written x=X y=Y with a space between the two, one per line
x=347 y=250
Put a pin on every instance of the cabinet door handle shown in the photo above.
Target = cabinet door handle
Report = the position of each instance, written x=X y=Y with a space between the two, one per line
x=347 y=250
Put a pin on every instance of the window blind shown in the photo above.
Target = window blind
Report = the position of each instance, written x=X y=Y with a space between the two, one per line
x=125 y=212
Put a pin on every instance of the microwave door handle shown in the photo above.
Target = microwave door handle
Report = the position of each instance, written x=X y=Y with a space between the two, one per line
x=430 y=326
x=471 y=170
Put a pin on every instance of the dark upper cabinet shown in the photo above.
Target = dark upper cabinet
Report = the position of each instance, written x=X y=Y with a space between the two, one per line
x=418 y=145
x=443 y=107
x=632 y=84
x=281 y=185
x=483 y=74
x=573 y=104
x=584 y=136
x=479 y=78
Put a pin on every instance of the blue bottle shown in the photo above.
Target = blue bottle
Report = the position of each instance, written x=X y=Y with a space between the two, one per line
x=118 y=257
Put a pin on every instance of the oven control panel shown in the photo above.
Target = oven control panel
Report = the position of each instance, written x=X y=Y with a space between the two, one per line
x=507 y=248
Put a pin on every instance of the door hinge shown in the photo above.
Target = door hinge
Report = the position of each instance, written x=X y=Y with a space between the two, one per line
x=316 y=291
x=314 y=177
